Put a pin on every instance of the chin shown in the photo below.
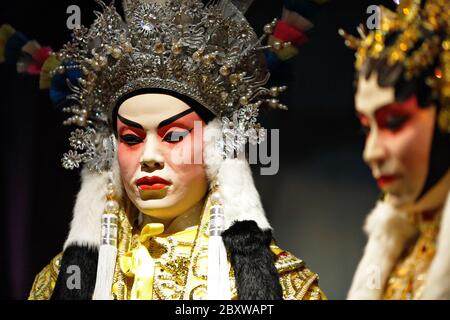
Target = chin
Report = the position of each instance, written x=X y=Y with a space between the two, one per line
x=399 y=200
x=156 y=209
x=155 y=204
x=159 y=208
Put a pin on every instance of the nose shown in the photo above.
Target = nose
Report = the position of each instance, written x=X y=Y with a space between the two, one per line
x=374 y=150
x=152 y=158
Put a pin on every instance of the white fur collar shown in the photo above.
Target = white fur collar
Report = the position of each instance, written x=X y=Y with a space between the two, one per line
x=389 y=231
x=240 y=198
x=85 y=228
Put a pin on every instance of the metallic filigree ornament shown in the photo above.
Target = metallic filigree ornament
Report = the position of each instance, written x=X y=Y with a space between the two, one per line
x=209 y=53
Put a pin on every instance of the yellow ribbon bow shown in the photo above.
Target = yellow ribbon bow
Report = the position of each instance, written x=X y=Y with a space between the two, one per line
x=139 y=263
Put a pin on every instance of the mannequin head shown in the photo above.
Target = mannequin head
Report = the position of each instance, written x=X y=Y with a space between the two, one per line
x=398 y=139
x=159 y=146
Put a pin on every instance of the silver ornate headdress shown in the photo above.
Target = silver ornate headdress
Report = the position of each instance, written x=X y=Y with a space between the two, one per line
x=209 y=53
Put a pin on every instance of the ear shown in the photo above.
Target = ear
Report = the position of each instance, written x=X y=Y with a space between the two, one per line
x=240 y=199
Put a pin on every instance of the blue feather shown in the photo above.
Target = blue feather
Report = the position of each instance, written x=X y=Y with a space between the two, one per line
x=272 y=59
x=59 y=90
x=13 y=47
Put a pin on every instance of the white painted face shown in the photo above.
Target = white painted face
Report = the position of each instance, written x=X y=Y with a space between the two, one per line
x=153 y=130
x=398 y=143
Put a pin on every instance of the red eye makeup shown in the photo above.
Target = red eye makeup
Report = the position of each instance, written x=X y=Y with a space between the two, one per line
x=130 y=132
x=364 y=121
x=178 y=127
x=394 y=116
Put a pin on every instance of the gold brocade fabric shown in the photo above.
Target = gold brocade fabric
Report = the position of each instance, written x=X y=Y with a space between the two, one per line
x=407 y=279
x=178 y=266
x=45 y=281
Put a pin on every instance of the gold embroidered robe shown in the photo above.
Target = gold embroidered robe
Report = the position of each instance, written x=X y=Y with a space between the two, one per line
x=179 y=264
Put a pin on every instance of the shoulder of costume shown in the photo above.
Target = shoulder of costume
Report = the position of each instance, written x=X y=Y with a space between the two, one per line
x=284 y=260
x=45 y=280
x=297 y=280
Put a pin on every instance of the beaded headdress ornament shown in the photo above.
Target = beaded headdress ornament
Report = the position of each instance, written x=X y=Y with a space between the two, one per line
x=209 y=53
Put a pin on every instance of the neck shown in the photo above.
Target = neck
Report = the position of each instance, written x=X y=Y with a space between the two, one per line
x=433 y=199
x=189 y=218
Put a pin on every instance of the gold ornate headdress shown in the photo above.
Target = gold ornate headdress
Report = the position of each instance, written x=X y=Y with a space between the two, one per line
x=423 y=40
x=209 y=53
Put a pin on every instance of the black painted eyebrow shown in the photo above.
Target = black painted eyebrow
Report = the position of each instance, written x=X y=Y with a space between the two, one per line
x=130 y=123
x=161 y=124
x=175 y=117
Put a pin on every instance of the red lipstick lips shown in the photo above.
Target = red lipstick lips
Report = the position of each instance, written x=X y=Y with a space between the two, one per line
x=385 y=180
x=152 y=183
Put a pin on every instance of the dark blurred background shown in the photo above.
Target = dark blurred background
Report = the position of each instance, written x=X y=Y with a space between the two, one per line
x=316 y=203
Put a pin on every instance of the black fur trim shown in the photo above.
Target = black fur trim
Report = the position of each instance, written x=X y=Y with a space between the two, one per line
x=253 y=261
x=74 y=257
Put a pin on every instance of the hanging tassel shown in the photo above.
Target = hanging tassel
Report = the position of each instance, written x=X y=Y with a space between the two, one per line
x=218 y=278
x=108 y=248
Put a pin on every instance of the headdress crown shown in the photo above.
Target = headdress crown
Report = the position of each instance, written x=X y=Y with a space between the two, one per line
x=422 y=41
x=209 y=53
